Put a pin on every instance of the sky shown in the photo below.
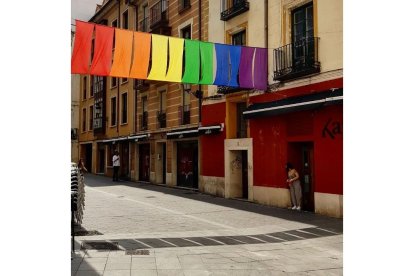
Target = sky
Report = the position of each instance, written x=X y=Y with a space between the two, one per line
x=83 y=9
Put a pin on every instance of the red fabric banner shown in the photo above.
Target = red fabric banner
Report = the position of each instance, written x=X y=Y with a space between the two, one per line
x=82 y=48
x=102 y=58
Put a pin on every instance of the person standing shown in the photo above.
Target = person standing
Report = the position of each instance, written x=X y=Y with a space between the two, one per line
x=115 y=164
x=294 y=186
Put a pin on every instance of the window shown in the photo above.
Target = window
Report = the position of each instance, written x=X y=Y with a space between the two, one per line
x=84 y=88
x=125 y=20
x=144 y=116
x=83 y=119
x=183 y=5
x=124 y=80
x=91 y=117
x=91 y=80
x=113 y=82
x=302 y=35
x=124 y=108
x=185 y=111
x=113 y=111
x=163 y=100
x=115 y=25
x=186 y=32
x=239 y=38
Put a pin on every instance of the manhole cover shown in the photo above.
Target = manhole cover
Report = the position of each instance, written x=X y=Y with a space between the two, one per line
x=137 y=252
x=87 y=233
x=99 y=245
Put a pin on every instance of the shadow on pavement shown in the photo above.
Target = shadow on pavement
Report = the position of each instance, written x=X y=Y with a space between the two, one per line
x=328 y=223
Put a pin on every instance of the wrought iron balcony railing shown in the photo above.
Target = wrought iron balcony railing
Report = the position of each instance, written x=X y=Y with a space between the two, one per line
x=297 y=59
x=238 y=7
x=159 y=15
x=143 y=25
x=141 y=85
x=183 y=5
x=162 y=118
x=184 y=113
x=143 y=121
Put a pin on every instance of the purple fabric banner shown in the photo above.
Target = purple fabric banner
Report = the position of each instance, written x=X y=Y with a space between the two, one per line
x=245 y=69
x=260 y=69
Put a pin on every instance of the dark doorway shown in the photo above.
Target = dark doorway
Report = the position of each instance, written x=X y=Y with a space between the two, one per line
x=245 y=179
x=164 y=162
x=300 y=154
x=144 y=162
x=88 y=157
x=101 y=158
x=124 y=154
x=187 y=164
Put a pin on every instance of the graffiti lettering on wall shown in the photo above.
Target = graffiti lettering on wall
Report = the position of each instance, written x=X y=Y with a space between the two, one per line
x=332 y=129
x=236 y=164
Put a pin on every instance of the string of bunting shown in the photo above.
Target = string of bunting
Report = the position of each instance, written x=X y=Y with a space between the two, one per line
x=172 y=59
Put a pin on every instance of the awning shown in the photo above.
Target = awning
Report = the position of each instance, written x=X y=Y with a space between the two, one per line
x=184 y=133
x=293 y=104
x=213 y=129
x=115 y=140
x=138 y=138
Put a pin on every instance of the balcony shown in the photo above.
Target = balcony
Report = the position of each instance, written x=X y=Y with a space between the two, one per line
x=141 y=85
x=162 y=119
x=143 y=121
x=183 y=5
x=184 y=113
x=238 y=7
x=296 y=60
x=159 y=18
x=228 y=89
x=143 y=25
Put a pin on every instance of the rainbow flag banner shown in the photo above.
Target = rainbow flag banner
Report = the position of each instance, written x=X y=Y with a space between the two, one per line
x=141 y=55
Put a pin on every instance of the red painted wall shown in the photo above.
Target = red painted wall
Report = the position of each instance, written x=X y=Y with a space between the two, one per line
x=212 y=146
x=271 y=148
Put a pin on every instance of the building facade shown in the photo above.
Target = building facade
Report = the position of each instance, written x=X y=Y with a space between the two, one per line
x=153 y=125
x=297 y=119
x=225 y=141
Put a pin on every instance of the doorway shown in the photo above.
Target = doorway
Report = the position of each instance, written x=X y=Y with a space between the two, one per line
x=144 y=162
x=300 y=154
x=187 y=164
x=88 y=157
x=124 y=155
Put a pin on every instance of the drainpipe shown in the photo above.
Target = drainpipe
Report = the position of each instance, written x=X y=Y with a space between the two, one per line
x=200 y=92
x=266 y=25
x=118 y=82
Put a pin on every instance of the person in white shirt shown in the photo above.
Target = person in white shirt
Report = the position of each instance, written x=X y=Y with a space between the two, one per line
x=116 y=164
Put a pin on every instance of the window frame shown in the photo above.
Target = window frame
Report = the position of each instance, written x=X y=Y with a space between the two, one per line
x=113 y=111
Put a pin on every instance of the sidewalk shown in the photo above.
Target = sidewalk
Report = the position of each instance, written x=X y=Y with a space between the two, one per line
x=164 y=231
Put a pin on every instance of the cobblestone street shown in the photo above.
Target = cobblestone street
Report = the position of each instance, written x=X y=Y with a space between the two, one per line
x=165 y=231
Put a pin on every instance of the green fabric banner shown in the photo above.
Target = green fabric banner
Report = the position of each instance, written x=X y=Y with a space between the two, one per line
x=206 y=50
x=192 y=61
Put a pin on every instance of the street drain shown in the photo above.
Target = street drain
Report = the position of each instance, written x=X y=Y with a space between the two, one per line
x=150 y=197
x=87 y=233
x=99 y=245
x=137 y=252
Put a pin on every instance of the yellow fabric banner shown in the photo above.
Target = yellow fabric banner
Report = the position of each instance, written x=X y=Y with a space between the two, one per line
x=123 y=54
x=175 y=67
x=159 y=57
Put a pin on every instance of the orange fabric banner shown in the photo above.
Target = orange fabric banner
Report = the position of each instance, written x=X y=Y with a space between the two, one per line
x=123 y=53
x=82 y=48
x=102 y=58
x=142 y=47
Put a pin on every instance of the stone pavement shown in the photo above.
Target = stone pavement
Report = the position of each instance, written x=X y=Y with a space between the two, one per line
x=157 y=230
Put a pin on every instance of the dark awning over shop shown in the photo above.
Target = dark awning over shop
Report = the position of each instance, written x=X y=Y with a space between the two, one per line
x=207 y=130
x=293 y=104
x=115 y=140
x=184 y=133
x=138 y=138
